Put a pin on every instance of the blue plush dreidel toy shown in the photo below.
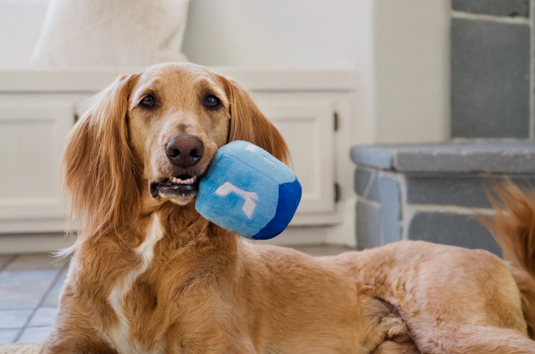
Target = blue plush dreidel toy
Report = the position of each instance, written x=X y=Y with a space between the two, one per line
x=248 y=191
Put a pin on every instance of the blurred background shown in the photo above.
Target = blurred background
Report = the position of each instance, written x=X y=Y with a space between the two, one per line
x=397 y=112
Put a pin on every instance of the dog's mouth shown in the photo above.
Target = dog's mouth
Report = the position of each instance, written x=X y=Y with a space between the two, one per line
x=182 y=188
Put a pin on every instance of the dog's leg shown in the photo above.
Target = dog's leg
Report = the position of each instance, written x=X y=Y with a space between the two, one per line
x=79 y=346
x=467 y=339
x=72 y=333
x=390 y=347
x=385 y=330
x=75 y=339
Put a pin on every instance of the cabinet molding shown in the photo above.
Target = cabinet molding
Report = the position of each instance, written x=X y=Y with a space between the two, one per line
x=31 y=144
x=307 y=127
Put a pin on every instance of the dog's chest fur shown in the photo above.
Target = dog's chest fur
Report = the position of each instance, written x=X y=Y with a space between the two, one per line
x=120 y=335
x=161 y=299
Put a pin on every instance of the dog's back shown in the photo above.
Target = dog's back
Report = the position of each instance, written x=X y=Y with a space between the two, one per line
x=514 y=229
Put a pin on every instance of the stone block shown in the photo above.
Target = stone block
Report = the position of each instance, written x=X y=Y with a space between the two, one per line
x=452 y=229
x=489 y=79
x=390 y=196
x=369 y=225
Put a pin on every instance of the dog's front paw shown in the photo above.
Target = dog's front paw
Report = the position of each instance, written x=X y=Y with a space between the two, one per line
x=397 y=330
x=390 y=347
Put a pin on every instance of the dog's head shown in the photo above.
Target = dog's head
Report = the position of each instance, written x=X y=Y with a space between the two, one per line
x=155 y=133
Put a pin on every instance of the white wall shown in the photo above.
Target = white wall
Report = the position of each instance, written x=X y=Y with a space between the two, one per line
x=20 y=25
x=412 y=70
x=290 y=33
x=398 y=47
x=294 y=33
x=403 y=70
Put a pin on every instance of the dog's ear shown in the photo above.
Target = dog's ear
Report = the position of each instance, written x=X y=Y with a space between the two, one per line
x=249 y=124
x=99 y=171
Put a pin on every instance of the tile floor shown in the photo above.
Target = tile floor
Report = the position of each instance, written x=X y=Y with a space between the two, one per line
x=30 y=285
x=29 y=289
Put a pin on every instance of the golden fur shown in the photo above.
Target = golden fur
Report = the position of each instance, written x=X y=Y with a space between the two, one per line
x=150 y=275
x=514 y=229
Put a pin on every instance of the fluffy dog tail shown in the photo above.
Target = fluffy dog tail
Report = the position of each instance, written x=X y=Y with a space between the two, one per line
x=513 y=227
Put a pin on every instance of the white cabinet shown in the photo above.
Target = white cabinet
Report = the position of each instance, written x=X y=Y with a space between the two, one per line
x=31 y=144
x=307 y=127
x=37 y=110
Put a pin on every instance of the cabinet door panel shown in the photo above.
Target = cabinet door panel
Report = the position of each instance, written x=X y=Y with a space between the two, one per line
x=31 y=143
x=307 y=127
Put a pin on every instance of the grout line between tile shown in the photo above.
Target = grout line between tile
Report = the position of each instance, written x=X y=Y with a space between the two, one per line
x=15 y=256
x=16 y=309
x=494 y=18
x=18 y=335
x=39 y=326
x=56 y=278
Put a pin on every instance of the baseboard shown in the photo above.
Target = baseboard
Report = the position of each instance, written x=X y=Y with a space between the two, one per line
x=28 y=243
x=344 y=233
x=300 y=235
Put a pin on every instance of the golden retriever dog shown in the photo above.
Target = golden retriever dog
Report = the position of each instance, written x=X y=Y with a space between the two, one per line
x=149 y=275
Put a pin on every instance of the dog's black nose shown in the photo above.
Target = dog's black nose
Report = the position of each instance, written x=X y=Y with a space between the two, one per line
x=184 y=150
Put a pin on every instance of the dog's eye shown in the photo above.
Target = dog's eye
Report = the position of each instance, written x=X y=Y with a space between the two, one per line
x=211 y=102
x=148 y=102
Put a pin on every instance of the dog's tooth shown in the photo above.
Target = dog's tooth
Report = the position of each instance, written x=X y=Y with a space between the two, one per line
x=176 y=180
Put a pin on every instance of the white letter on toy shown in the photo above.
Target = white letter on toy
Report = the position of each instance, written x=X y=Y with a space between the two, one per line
x=248 y=206
x=251 y=148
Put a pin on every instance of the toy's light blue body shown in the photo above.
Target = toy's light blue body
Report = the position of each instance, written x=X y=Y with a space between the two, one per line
x=248 y=191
